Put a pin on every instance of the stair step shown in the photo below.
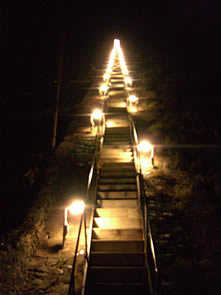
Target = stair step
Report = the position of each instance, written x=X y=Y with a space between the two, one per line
x=119 y=172
x=110 y=149
x=114 y=79
x=117 y=87
x=113 y=144
x=117 y=186
x=118 y=130
x=121 y=139
x=116 y=180
x=117 y=234
x=117 y=135
x=117 y=212
x=117 y=222
x=118 y=166
x=117 y=79
x=126 y=274
x=117 y=259
x=117 y=111
x=114 y=246
x=117 y=76
x=113 y=203
x=117 y=160
x=116 y=143
x=116 y=154
x=117 y=288
x=111 y=194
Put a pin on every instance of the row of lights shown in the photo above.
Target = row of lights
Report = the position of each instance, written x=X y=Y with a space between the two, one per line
x=144 y=148
x=132 y=100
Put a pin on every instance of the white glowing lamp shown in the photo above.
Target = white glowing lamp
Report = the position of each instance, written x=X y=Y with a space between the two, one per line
x=125 y=71
x=116 y=43
x=106 y=76
x=128 y=81
x=144 y=146
x=103 y=89
x=132 y=99
x=77 y=207
x=97 y=114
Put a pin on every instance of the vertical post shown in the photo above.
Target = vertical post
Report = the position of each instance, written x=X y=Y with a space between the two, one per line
x=60 y=66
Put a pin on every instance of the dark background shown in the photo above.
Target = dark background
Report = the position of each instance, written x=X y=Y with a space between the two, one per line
x=182 y=34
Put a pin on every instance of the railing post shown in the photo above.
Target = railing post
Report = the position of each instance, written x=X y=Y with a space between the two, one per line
x=71 y=290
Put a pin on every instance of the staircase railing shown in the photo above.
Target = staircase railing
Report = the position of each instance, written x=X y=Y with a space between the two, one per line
x=86 y=222
x=153 y=273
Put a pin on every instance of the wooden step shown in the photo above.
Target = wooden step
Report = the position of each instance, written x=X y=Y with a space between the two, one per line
x=117 y=138
x=121 y=172
x=117 y=84
x=117 y=133
x=118 y=87
x=111 y=194
x=116 y=203
x=117 y=259
x=114 y=246
x=115 y=153
x=117 y=186
x=117 y=160
x=121 y=274
x=124 y=131
x=110 y=149
x=117 y=234
x=123 y=179
x=109 y=135
x=117 y=222
x=118 y=166
x=117 y=288
x=117 y=212
x=117 y=76
x=113 y=145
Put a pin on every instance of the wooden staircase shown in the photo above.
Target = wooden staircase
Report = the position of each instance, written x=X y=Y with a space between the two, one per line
x=117 y=262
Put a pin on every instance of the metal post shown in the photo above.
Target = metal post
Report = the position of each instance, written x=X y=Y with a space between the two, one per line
x=60 y=66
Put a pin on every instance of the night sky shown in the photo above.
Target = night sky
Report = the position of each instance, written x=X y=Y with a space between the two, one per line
x=36 y=31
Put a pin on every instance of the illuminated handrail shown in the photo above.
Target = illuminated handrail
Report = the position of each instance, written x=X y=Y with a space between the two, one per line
x=153 y=277
x=83 y=221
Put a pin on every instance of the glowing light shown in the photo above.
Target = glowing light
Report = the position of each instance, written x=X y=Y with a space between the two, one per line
x=117 y=52
x=132 y=99
x=128 y=81
x=77 y=207
x=81 y=252
x=97 y=114
x=125 y=71
x=116 y=43
x=103 y=89
x=144 y=146
x=106 y=76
